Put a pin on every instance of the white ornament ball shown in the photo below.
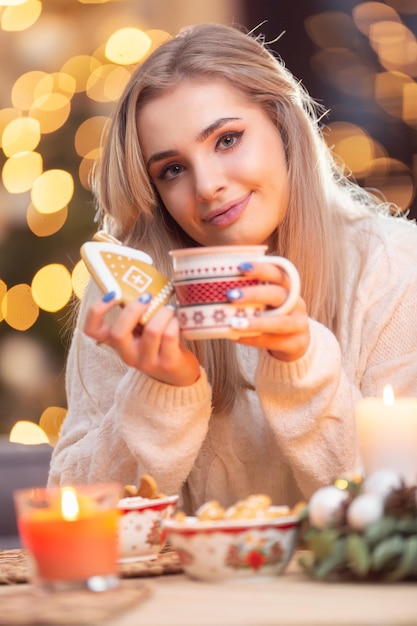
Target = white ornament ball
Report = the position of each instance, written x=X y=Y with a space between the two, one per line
x=364 y=510
x=325 y=508
x=382 y=482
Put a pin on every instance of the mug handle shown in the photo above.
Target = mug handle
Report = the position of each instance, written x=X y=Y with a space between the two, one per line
x=294 y=280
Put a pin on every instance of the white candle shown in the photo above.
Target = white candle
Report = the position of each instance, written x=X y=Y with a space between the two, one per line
x=387 y=433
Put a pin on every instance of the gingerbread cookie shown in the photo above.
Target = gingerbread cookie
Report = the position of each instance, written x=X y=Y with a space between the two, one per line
x=127 y=272
x=147 y=489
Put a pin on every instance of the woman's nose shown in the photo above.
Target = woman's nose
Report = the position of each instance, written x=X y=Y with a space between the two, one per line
x=209 y=182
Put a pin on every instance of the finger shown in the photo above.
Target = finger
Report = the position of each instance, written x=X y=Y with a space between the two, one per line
x=286 y=336
x=265 y=272
x=95 y=325
x=271 y=324
x=171 y=342
x=155 y=334
x=181 y=365
x=272 y=295
x=128 y=322
x=291 y=323
x=284 y=348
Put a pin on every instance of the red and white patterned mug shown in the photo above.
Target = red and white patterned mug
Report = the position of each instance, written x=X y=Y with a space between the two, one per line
x=202 y=278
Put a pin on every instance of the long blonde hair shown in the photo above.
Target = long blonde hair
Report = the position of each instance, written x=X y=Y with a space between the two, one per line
x=321 y=198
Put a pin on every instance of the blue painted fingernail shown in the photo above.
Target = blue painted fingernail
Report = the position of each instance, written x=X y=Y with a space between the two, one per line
x=145 y=298
x=234 y=294
x=246 y=267
x=239 y=322
x=108 y=297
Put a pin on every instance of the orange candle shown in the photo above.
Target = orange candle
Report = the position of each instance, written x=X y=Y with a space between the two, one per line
x=70 y=536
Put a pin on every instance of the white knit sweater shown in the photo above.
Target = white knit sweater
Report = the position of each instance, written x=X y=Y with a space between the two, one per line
x=293 y=434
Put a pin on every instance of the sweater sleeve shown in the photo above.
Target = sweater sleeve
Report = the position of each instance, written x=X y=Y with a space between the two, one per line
x=121 y=423
x=310 y=403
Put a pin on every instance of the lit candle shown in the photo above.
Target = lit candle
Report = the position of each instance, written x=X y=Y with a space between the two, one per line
x=387 y=433
x=70 y=533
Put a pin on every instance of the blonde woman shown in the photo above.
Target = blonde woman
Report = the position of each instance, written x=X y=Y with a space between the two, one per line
x=215 y=142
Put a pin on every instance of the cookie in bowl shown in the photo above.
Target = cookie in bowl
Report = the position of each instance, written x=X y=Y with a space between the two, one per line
x=250 y=539
x=142 y=511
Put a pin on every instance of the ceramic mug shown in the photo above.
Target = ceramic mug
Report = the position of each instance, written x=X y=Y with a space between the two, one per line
x=202 y=278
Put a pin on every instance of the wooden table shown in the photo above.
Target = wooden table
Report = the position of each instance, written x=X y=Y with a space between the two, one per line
x=292 y=599
x=179 y=602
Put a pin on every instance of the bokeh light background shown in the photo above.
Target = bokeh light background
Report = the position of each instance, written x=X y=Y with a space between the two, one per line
x=64 y=63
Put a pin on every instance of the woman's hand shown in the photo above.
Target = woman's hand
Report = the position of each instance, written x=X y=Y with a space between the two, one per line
x=286 y=337
x=156 y=350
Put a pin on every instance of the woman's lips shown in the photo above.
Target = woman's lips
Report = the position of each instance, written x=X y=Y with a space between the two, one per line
x=228 y=214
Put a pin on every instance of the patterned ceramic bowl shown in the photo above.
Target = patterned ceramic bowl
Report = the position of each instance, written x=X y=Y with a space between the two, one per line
x=141 y=534
x=239 y=548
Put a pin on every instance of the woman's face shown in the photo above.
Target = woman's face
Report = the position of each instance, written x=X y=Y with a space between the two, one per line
x=217 y=161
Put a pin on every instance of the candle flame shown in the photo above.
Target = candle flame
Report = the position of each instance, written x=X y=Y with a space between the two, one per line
x=69 y=504
x=388 y=395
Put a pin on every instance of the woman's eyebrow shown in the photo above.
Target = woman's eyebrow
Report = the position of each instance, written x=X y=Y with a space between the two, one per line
x=166 y=154
x=159 y=156
x=214 y=126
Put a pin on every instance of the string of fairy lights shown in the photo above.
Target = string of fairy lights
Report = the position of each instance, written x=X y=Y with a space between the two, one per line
x=383 y=75
x=41 y=105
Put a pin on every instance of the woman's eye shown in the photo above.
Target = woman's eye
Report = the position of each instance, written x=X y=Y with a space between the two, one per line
x=229 y=140
x=170 y=171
